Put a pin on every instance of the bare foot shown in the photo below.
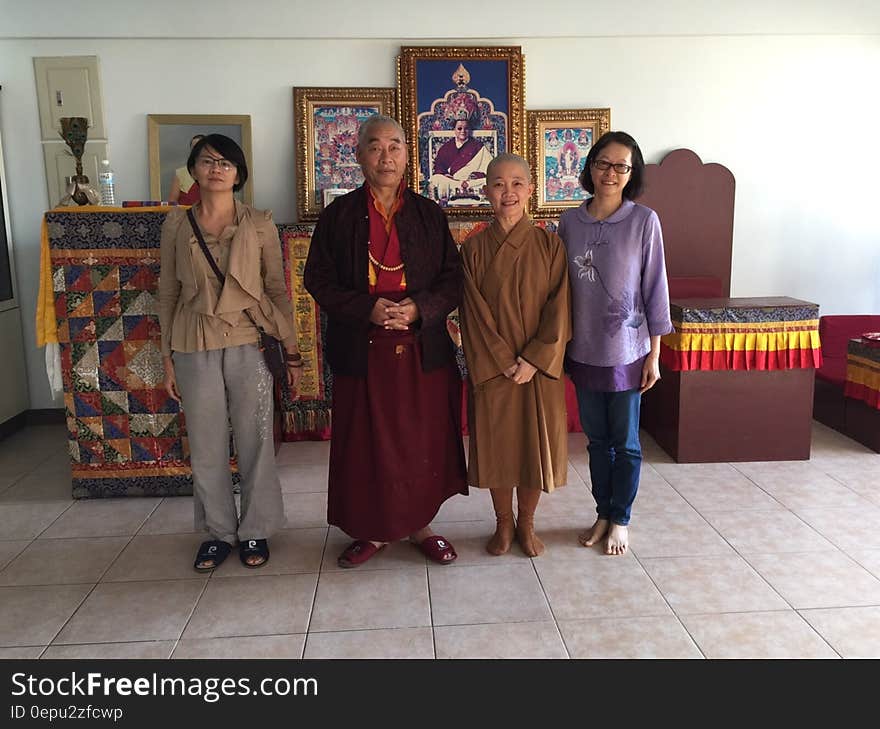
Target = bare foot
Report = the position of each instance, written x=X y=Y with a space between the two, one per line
x=502 y=539
x=528 y=540
x=594 y=534
x=618 y=540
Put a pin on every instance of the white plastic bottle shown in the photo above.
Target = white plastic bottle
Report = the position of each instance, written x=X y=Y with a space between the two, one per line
x=106 y=184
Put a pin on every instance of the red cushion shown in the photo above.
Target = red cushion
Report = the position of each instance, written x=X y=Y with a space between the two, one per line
x=833 y=369
x=695 y=287
x=835 y=331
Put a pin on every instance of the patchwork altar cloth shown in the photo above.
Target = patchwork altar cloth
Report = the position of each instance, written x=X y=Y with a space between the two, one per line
x=770 y=333
x=863 y=372
x=97 y=300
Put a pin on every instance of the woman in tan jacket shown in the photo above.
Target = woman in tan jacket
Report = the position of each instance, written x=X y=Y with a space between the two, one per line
x=210 y=350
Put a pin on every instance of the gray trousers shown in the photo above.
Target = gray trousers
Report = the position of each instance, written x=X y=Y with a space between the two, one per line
x=217 y=387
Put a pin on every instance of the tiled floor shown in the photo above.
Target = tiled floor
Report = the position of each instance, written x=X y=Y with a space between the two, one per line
x=727 y=560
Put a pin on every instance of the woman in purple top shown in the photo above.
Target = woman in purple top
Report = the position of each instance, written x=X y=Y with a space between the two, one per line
x=620 y=308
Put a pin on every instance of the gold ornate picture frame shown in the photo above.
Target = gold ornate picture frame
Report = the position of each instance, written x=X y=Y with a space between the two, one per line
x=326 y=121
x=558 y=144
x=168 y=138
x=459 y=106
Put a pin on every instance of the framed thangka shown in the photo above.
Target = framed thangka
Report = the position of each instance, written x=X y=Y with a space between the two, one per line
x=459 y=107
x=558 y=143
x=327 y=122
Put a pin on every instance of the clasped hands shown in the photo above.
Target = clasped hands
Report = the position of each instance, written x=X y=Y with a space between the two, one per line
x=521 y=373
x=394 y=314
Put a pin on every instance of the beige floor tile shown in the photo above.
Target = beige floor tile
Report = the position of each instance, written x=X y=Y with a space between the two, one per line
x=818 y=579
x=381 y=643
x=502 y=593
x=674 y=534
x=651 y=451
x=694 y=474
x=854 y=632
x=118 y=612
x=10 y=550
x=245 y=606
x=737 y=495
x=33 y=615
x=657 y=637
x=780 y=634
x=157 y=557
x=848 y=528
x=29 y=520
x=500 y=640
x=311 y=452
x=573 y=501
x=861 y=475
x=303 y=478
x=360 y=600
x=599 y=585
x=573 y=476
x=305 y=510
x=10 y=474
x=291 y=551
x=784 y=473
x=173 y=516
x=868 y=558
x=804 y=496
x=27 y=652
x=102 y=518
x=396 y=555
x=476 y=506
x=655 y=495
x=63 y=561
x=250 y=647
x=771 y=532
x=140 y=649
x=50 y=481
x=712 y=585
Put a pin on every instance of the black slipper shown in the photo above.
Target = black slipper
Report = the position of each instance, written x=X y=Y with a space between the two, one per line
x=211 y=551
x=253 y=548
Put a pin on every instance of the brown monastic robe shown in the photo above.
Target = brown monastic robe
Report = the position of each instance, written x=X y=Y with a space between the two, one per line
x=516 y=303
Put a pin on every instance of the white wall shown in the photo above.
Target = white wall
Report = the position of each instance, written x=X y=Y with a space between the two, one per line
x=766 y=106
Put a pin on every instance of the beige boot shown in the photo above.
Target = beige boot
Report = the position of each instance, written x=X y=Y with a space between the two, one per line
x=502 y=501
x=526 y=503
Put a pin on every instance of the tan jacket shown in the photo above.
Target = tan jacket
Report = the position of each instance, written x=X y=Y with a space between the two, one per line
x=194 y=313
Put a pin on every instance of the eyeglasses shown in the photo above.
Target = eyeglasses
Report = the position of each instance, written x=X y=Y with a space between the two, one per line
x=620 y=168
x=208 y=163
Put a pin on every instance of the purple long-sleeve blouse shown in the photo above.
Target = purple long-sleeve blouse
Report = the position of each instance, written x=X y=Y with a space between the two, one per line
x=620 y=297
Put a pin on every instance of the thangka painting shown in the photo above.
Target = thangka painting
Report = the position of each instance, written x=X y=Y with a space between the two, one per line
x=559 y=142
x=327 y=122
x=459 y=107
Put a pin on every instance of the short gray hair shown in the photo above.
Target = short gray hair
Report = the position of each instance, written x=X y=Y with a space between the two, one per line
x=508 y=157
x=378 y=120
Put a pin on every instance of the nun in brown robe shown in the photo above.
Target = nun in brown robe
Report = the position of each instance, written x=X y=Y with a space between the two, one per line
x=515 y=322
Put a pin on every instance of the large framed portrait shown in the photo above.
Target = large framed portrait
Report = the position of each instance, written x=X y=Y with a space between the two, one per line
x=460 y=107
x=326 y=124
x=558 y=143
x=170 y=137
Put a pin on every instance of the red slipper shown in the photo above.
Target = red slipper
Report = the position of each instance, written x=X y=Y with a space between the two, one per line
x=357 y=553
x=438 y=549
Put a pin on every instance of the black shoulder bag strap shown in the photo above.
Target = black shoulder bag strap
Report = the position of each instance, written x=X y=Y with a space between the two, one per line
x=204 y=247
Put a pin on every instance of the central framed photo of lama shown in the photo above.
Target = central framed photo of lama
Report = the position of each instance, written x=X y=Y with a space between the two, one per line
x=460 y=107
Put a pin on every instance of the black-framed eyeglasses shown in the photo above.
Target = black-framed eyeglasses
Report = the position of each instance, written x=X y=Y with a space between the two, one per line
x=208 y=162
x=620 y=168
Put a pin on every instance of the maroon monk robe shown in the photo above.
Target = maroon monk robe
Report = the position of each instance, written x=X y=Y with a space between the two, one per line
x=396 y=453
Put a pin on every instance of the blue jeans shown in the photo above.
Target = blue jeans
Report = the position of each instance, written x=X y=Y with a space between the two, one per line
x=611 y=422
